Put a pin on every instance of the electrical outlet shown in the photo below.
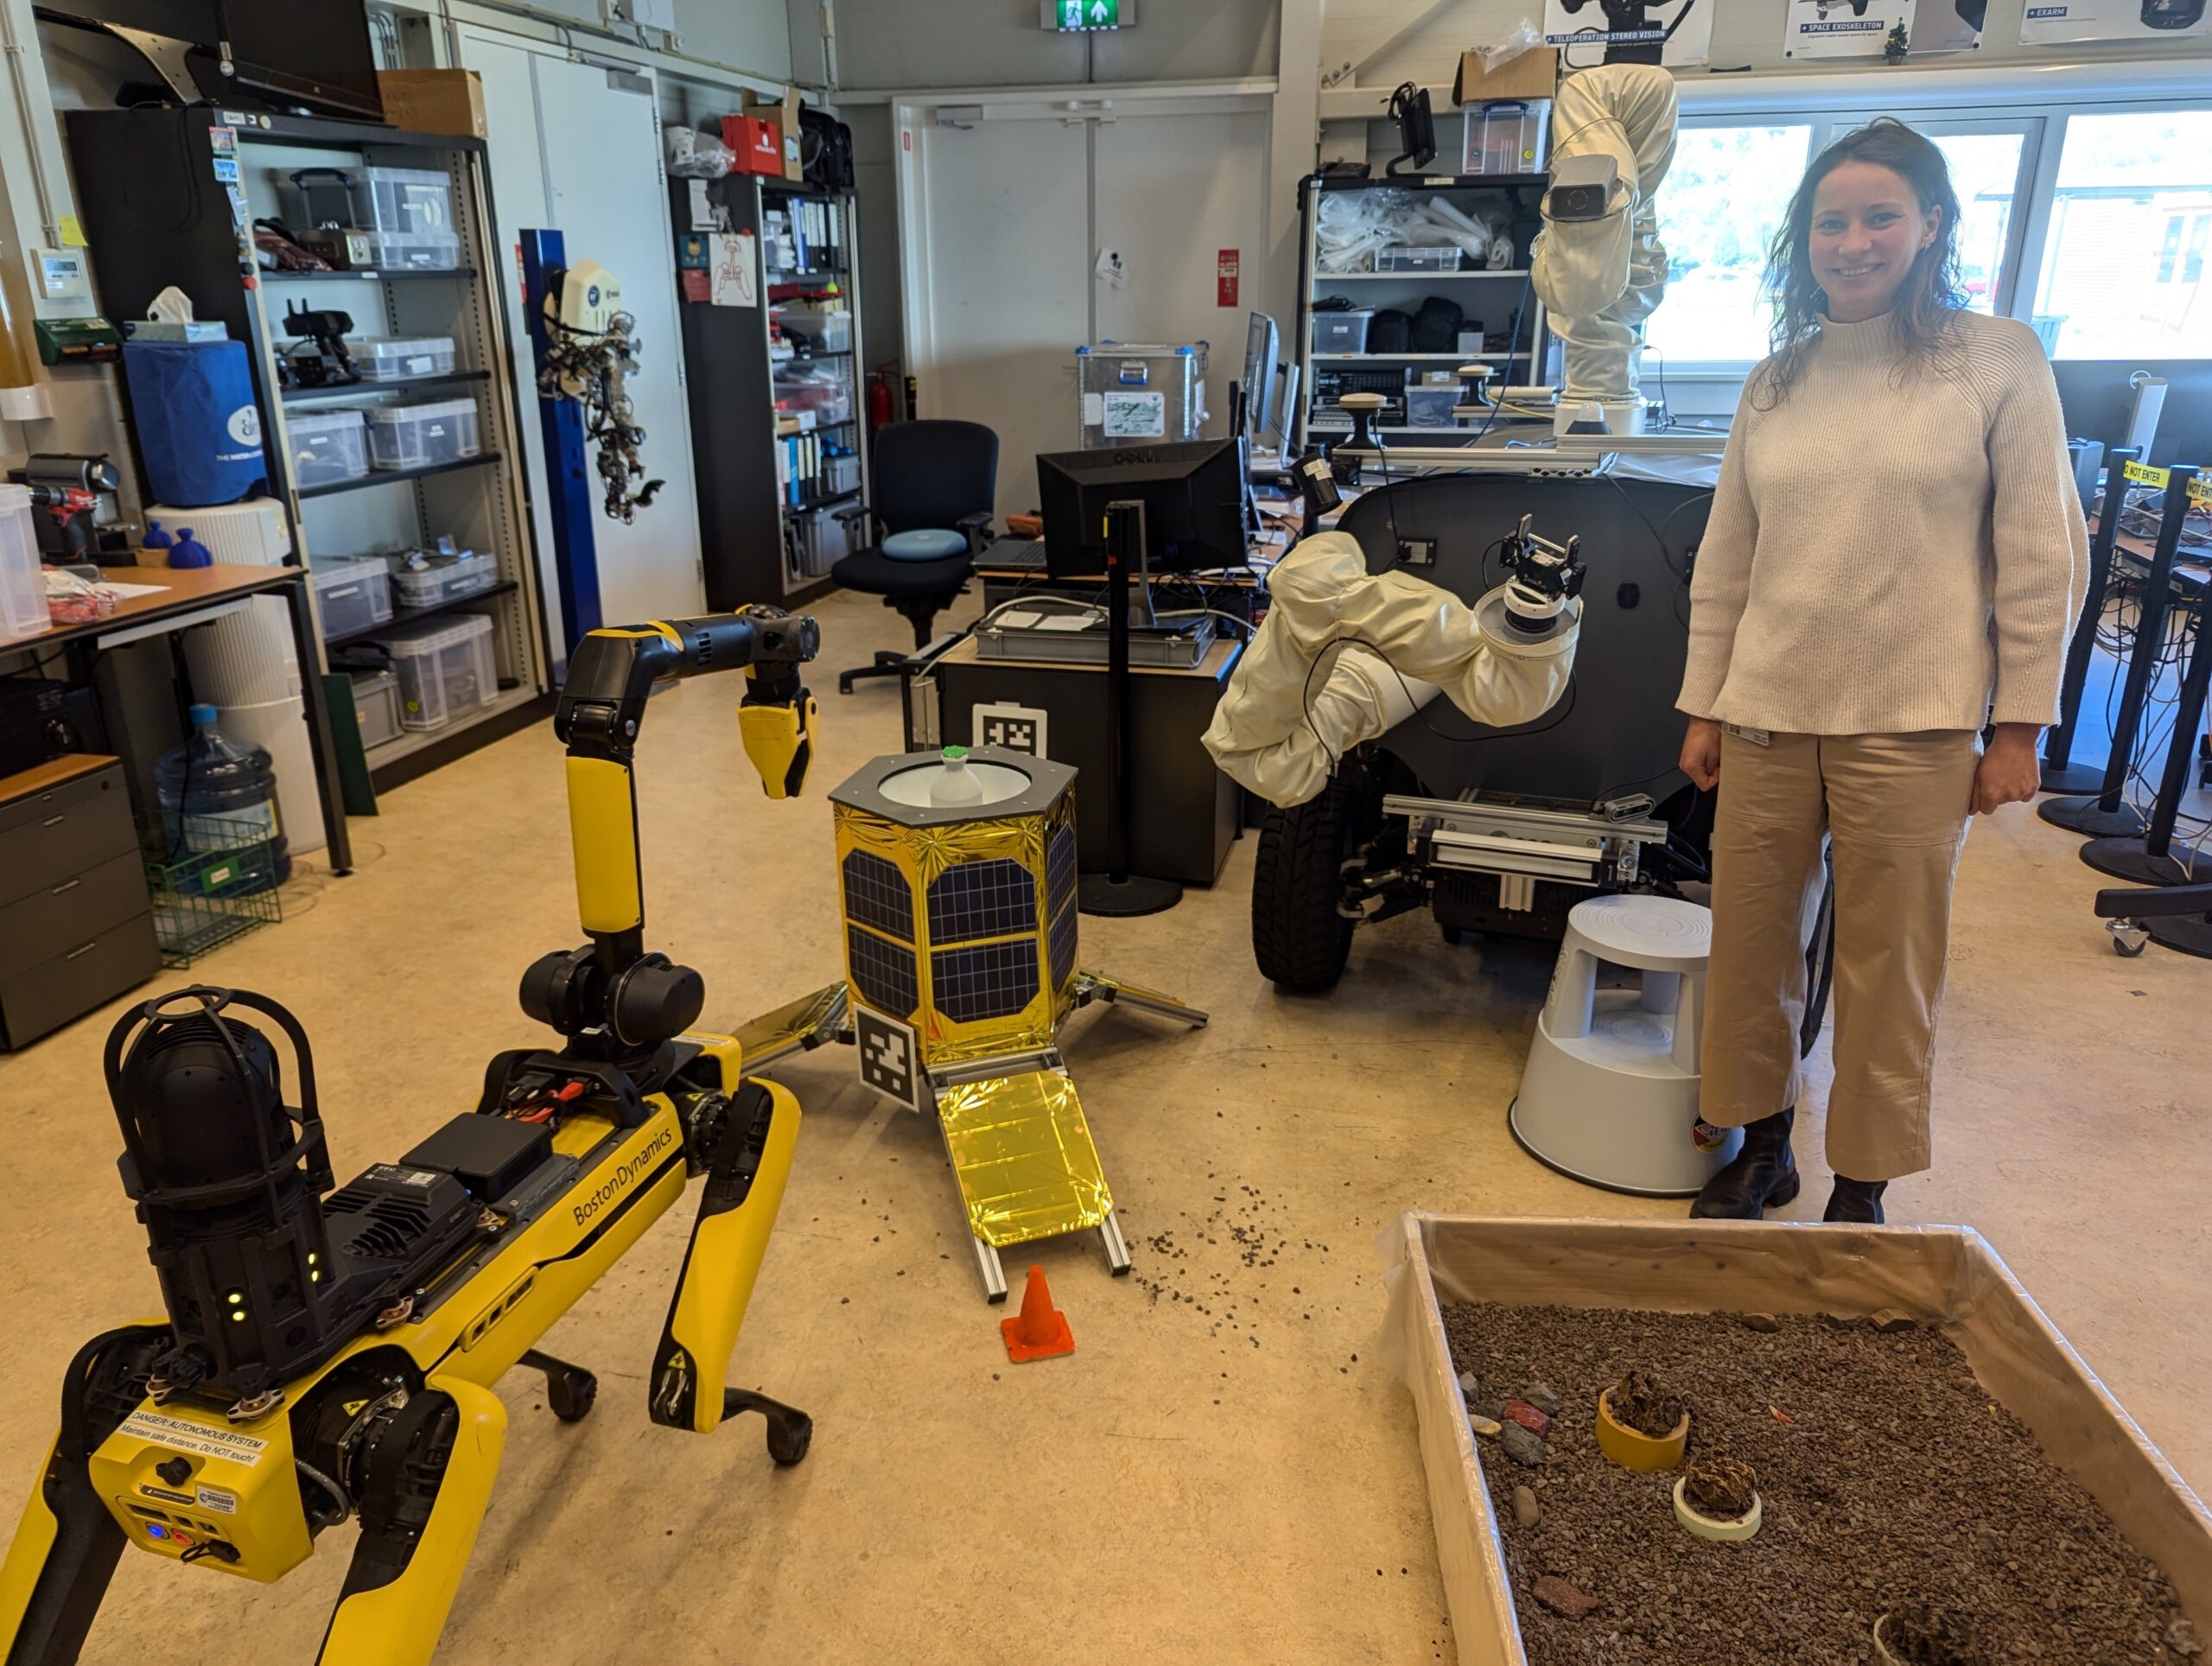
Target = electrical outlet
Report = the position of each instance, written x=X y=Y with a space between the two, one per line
x=1417 y=552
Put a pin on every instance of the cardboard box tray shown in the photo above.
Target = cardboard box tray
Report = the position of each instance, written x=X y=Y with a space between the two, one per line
x=1940 y=1275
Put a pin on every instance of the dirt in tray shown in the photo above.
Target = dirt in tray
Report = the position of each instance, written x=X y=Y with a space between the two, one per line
x=1887 y=1477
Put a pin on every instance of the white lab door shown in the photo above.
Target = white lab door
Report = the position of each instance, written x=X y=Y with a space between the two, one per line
x=573 y=150
x=1002 y=220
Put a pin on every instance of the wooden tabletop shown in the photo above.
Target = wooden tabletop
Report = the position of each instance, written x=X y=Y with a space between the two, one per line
x=184 y=590
x=44 y=778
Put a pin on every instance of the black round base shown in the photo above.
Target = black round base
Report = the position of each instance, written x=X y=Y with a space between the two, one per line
x=2126 y=859
x=1112 y=899
x=2189 y=934
x=2083 y=815
x=2075 y=779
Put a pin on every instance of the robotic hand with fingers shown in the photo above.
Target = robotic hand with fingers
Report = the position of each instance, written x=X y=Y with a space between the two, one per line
x=332 y=1353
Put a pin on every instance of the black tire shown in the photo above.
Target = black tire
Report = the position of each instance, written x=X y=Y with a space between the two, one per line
x=1819 y=966
x=789 y=1439
x=571 y=1395
x=1299 y=939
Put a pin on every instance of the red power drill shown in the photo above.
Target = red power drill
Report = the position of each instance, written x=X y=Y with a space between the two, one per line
x=67 y=491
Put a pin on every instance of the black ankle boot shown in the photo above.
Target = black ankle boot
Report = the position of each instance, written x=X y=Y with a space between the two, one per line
x=1762 y=1176
x=1859 y=1201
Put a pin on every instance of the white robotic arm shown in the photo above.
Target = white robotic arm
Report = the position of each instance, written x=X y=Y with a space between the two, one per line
x=1600 y=272
x=1398 y=642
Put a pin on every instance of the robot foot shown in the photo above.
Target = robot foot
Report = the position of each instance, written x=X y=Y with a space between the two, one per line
x=569 y=1389
x=790 y=1431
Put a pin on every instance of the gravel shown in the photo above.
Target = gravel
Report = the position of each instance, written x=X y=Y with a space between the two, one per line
x=1893 y=1481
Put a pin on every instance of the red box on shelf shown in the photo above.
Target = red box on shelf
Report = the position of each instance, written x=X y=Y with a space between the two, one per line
x=759 y=144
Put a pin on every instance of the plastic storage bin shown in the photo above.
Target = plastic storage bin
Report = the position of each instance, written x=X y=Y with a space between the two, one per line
x=413 y=200
x=413 y=252
x=1342 y=332
x=376 y=707
x=1430 y=407
x=1506 y=138
x=352 y=596
x=444 y=578
x=1405 y=258
x=422 y=436
x=828 y=332
x=444 y=668
x=23 y=580
x=327 y=446
x=401 y=358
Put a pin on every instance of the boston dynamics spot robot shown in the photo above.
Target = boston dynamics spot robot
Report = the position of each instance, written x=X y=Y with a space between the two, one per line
x=332 y=1353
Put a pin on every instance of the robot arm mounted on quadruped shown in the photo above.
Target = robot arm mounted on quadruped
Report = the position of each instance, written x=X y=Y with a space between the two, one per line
x=1399 y=643
x=1598 y=265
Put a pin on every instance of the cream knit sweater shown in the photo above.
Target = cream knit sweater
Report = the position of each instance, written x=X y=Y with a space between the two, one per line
x=1894 y=547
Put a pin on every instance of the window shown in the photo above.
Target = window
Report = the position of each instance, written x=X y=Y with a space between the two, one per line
x=1985 y=172
x=2131 y=217
x=1719 y=210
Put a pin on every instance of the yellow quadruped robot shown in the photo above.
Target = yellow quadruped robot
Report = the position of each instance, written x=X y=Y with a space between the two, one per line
x=332 y=1353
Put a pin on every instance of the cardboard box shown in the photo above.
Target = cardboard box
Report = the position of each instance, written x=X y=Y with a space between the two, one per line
x=1532 y=75
x=784 y=113
x=1943 y=1275
x=433 y=100
x=759 y=145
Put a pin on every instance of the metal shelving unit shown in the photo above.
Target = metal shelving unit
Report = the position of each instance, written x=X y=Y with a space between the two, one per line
x=1494 y=294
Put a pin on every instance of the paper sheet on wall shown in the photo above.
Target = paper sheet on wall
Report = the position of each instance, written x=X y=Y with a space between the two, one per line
x=1842 y=28
x=733 y=273
x=703 y=212
x=1136 y=416
x=1591 y=32
x=1108 y=270
x=2056 y=24
x=1949 y=26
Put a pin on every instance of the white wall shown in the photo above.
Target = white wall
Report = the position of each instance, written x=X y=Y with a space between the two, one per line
x=911 y=45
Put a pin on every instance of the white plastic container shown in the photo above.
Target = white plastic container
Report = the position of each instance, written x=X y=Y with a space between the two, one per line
x=327 y=446
x=413 y=252
x=423 y=436
x=23 y=580
x=376 y=707
x=445 y=668
x=352 y=596
x=1506 y=138
x=444 y=578
x=1431 y=407
x=402 y=357
x=409 y=199
x=1342 y=332
x=828 y=332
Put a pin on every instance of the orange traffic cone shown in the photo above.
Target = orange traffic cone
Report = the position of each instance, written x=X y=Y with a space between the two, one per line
x=1040 y=1329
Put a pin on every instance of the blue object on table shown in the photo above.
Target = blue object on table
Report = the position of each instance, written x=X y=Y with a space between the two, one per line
x=198 y=425
x=189 y=551
x=927 y=544
x=157 y=539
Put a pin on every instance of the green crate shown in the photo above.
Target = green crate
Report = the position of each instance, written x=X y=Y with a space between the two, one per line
x=222 y=885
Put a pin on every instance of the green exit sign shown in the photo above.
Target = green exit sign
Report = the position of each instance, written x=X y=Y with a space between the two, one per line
x=1088 y=16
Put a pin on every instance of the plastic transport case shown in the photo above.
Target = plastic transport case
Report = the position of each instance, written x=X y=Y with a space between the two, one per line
x=1506 y=138
x=1406 y=257
x=327 y=446
x=445 y=668
x=445 y=579
x=411 y=199
x=376 y=707
x=352 y=594
x=422 y=436
x=1342 y=332
x=402 y=357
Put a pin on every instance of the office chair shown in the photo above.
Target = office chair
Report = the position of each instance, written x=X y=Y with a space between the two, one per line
x=935 y=483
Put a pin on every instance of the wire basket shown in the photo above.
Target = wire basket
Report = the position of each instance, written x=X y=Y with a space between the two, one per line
x=222 y=885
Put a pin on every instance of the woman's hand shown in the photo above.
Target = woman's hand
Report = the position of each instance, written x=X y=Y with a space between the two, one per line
x=2008 y=773
x=1701 y=752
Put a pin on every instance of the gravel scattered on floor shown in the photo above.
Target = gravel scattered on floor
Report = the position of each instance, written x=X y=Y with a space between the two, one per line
x=1886 y=1474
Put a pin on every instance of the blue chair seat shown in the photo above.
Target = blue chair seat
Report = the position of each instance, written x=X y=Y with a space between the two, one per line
x=924 y=544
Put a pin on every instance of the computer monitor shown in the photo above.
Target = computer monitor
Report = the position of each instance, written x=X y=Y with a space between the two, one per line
x=1262 y=350
x=1193 y=498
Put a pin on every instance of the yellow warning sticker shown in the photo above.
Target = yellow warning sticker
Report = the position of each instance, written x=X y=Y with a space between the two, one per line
x=201 y=1438
x=2200 y=486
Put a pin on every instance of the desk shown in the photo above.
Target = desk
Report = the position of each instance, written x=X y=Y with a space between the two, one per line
x=1185 y=815
x=193 y=596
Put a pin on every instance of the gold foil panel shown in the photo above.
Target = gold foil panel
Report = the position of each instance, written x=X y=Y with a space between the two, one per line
x=1024 y=1156
x=773 y=1034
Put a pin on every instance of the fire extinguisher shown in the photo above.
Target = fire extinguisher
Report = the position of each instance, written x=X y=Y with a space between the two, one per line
x=879 y=401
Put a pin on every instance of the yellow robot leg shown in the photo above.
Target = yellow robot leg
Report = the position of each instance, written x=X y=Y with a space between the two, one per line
x=422 y=1489
x=747 y=1163
x=67 y=1545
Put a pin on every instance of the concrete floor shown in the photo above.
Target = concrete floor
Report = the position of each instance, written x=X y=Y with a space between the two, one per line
x=1230 y=1478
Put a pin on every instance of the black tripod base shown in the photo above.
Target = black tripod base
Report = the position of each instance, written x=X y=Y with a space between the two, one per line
x=2083 y=815
x=1125 y=899
x=2189 y=934
x=2126 y=859
x=2073 y=778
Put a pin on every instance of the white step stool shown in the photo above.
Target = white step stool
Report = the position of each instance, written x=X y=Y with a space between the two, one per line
x=1610 y=1095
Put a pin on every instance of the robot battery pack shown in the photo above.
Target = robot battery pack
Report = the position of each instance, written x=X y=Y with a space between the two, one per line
x=490 y=1155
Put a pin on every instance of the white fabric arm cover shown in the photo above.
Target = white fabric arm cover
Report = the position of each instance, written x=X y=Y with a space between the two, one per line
x=1599 y=279
x=1419 y=641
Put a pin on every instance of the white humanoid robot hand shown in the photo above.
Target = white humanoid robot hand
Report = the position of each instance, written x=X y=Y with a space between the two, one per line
x=1378 y=646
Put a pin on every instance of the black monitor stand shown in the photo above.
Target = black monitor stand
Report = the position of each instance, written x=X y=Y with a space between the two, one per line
x=1117 y=892
x=2061 y=773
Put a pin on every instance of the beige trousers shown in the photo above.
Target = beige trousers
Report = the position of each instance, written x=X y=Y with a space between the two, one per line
x=1896 y=808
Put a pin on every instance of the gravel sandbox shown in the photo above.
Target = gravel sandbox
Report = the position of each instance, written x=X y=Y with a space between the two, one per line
x=1887 y=1475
